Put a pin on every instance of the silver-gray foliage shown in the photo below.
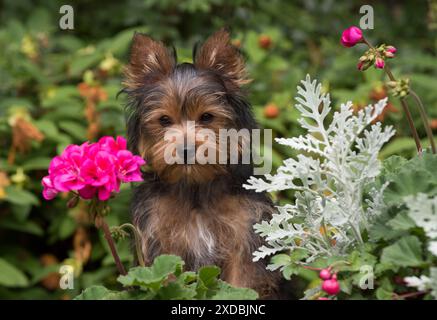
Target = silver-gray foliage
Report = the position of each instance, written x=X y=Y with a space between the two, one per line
x=336 y=163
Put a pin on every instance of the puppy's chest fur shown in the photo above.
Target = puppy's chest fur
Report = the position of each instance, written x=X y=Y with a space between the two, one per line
x=206 y=228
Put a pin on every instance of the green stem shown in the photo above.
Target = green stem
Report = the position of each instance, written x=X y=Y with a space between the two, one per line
x=137 y=237
x=425 y=120
x=403 y=103
x=111 y=244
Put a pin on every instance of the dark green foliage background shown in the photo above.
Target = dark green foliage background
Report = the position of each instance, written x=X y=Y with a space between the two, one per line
x=305 y=39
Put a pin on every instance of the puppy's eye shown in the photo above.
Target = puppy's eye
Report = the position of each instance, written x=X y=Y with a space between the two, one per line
x=165 y=121
x=206 y=118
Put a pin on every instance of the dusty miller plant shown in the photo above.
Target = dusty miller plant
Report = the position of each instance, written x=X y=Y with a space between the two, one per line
x=335 y=164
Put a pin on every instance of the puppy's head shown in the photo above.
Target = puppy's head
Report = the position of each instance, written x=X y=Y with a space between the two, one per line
x=177 y=110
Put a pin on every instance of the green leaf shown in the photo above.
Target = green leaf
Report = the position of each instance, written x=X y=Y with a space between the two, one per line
x=152 y=277
x=10 y=276
x=385 y=290
x=289 y=270
x=207 y=281
x=20 y=196
x=393 y=164
x=298 y=255
x=82 y=62
x=37 y=163
x=21 y=212
x=43 y=272
x=93 y=293
x=278 y=261
x=176 y=290
x=380 y=230
x=67 y=227
x=398 y=146
x=406 y=252
x=29 y=226
x=208 y=275
x=227 y=292
x=48 y=128
x=416 y=175
x=357 y=259
x=401 y=222
x=75 y=129
x=102 y=293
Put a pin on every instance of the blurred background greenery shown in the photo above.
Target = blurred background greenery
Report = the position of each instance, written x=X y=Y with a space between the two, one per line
x=60 y=87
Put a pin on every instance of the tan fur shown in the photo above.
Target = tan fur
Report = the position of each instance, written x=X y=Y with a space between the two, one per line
x=226 y=224
x=219 y=54
x=147 y=57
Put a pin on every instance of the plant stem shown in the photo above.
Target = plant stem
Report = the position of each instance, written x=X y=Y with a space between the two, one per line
x=137 y=236
x=311 y=268
x=403 y=103
x=409 y=294
x=425 y=120
x=101 y=223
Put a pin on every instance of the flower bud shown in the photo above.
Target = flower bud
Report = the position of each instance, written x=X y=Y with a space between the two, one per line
x=389 y=54
x=392 y=84
x=379 y=63
x=363 y=66
x=351 y=36
x=73 y=202
x=363 y=58
x=391 y=49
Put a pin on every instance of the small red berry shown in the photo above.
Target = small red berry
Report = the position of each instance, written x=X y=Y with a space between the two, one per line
x=325 y=274
x=236 y=43
x=264 y=41
x=331 y=287
x=271 y=111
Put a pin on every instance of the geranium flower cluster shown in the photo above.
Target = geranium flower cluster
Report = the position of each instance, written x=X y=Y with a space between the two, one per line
x=374 y=56
x=92 y=169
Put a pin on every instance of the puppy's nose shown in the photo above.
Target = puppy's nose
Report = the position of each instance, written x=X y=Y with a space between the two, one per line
x=187 y=153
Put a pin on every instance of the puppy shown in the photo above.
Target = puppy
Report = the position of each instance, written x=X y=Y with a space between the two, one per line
x=200 y=212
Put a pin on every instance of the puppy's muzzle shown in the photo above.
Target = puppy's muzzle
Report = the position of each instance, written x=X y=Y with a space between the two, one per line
x=187 y=153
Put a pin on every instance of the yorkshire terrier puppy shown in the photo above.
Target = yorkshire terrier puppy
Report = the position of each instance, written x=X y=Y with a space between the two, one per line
x=200 y=212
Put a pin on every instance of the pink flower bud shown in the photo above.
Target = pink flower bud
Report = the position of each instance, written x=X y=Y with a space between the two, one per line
x=389 y=54
x=351 y=36
x=391 y=49
x=379 y=63
x=360 y=65
x=331 y=287
x=325 y=274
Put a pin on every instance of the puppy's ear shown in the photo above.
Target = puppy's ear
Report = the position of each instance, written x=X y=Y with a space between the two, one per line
x=219 y=55
x=149 y=61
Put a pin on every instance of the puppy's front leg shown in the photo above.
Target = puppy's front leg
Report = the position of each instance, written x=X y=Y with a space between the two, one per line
x=240 y=271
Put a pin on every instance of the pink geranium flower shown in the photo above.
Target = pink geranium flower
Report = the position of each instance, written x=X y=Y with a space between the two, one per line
x=128 y=165
x=112 y=145
x=65 y=170
x=93 y=170
x=351 y=36
x=49 y=192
